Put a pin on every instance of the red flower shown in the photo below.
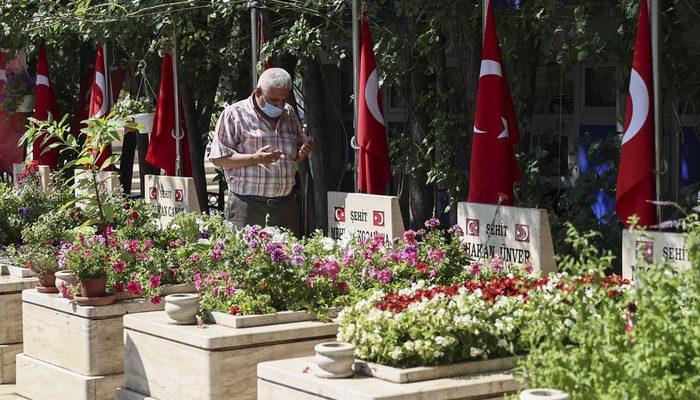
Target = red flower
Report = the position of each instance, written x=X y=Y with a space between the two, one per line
x=235 y=310
x=422 y=267
x=134 y=214
x=155 y=299
x=155 y=281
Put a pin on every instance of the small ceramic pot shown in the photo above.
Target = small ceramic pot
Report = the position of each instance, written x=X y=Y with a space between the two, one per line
x=334 y=359
x=145 y=120
x=543 y=394
x=182 y=308
x=65 y=278
x=96 y=287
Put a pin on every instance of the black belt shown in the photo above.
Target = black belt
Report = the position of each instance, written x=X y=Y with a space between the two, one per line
x=270 y=201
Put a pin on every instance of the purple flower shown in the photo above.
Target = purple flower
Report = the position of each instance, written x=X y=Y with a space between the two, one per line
x=432 y=274
x=384 y=275
x=298 y=260
x=297 y=249
x=25 y=211
x=253 y=232
x=432 y=223
x=410 y=237
x=276 y=252
x=230 y=290
x=410 y=255
x=204 y=235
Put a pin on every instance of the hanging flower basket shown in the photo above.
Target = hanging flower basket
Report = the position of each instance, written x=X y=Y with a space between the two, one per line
x=145 y=120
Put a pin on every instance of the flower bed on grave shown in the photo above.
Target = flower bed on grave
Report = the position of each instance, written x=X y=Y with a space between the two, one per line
x=473 y=320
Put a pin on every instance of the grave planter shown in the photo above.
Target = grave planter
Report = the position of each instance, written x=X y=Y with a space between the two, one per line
x=215 y=363
x=290 y=379
x=11 y=322
x=79 y=349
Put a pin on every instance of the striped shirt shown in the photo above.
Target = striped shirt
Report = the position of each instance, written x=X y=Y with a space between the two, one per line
x=243 y=129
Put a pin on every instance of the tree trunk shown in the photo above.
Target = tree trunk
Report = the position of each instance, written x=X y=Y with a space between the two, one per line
x=197 y=147
x=315 y=118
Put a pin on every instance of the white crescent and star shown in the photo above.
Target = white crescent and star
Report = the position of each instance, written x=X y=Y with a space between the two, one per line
x=491 y=67
x=523 y=233
x=639 y=93
x=372 y=96
x=379 y=218
x=339 y=214
x=471 y=228
x=42 y=80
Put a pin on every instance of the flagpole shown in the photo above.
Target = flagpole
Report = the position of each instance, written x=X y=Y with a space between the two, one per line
x=484 y=11
x=176 y=95
x=254 y=50
x=658 y=125
x=356 y=13
x=108 y=77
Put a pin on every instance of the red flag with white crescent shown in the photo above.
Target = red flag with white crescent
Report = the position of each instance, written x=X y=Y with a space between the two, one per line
x=161 y=148
x=374 y=166
x=493 y=168
x=635 y=176
x=99 y=100
x=45 y=107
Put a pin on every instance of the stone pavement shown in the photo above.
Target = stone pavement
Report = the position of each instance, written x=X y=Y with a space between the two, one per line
x=8 y=392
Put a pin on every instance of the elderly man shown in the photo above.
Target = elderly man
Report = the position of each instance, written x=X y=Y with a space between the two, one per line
x=257 y=142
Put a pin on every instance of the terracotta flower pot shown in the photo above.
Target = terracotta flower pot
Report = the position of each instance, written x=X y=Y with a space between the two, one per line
x=47 y=284
x=47 y=280
x=94 y=287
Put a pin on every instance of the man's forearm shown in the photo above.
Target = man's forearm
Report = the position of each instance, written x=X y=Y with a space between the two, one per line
x=236 y=160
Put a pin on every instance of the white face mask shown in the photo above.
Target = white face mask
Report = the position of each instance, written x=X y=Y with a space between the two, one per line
x=270 y=110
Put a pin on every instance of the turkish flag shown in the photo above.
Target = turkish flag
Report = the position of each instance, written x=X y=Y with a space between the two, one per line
x=493 y=168
x=83 y=106
x=635 y=177
x=99 y=102
x=374 y=166
x=161 y=149
x=45 y=106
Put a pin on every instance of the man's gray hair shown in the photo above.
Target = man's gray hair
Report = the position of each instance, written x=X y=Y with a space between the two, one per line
x=275 y=78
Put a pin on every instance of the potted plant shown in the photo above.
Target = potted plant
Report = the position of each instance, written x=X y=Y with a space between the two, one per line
x=43 y=262
x=88 y=261
x=17 y=94
x=139 y=110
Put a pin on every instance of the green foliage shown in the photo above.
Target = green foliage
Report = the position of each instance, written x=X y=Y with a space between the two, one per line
x=646 y=348
x=126 y=106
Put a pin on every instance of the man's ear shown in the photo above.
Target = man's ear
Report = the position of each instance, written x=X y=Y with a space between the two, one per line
x=258 y=90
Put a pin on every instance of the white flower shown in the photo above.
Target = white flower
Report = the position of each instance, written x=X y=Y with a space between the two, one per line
x=474 y=352
x=174 y=226
x=568 y=322
x=574 y=313
x=396 y=353
x=503 y=343
x=328 y=243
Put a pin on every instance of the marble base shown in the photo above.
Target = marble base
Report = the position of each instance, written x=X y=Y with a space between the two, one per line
x=11 y=307
x=172 y=362
x=87 y=340
x=19 y=272
x=38 y=380
x=8 y=352
x=292 y=379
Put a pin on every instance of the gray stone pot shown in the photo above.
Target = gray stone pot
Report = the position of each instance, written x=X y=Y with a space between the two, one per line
x=334 y=360
x=543 y=394
x=182 y=308
x=65 y=278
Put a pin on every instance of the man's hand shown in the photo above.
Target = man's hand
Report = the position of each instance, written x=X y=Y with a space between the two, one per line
x=262 y=156
x=306 y=149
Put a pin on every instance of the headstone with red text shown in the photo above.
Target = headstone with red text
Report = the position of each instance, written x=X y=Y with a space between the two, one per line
x=364 y=215
x=517 y=234
x=645 y=247
x=171 y=195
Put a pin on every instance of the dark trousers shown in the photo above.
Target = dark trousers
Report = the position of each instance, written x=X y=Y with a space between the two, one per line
x=257 y=210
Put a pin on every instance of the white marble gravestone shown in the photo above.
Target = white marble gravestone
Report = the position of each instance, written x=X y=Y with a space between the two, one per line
x=652 y=247
x=364 y=214
x=518 y=234
x=106 y=180
x=171 y=195
x=44 y=175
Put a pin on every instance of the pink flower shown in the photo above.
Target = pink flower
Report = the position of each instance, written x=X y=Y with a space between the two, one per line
x=497 y=263
x=343 y=286
x=310 y=281
x=155 y=281
x=475 y=268
x=384 y=276
x=195 y=258
x=410 y=237
x=118 y=287
x=436 y=254
x=230 y=290
x=65 y=293
x=432 y=223
x=528 y=268
x=119 y=265
x=133 y=287
x=155 y=299
x=432 y=274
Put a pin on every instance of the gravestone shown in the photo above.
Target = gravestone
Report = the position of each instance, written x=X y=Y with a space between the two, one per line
x=364 y=215
x=44 y=175
x=652 y=247
x=171 y=195
x=106 y=180
x=517 y=234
